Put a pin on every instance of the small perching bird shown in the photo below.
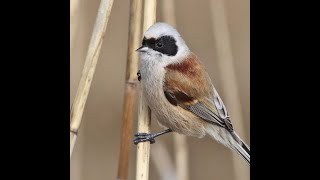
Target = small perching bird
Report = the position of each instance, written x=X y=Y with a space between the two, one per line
x=179 y=91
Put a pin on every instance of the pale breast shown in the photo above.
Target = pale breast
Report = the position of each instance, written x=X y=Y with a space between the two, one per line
x=151 y=79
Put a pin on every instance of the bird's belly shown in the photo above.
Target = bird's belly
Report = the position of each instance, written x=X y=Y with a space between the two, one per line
x=168 y=115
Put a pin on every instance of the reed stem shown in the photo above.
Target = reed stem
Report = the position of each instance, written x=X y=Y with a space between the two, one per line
x=88 y=70
x=228 y=77
x=181 y=153
x=131 y=88
x=144 y=112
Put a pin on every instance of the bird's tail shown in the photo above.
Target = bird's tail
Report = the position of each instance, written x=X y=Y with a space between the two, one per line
x=231 y=140
x=241 y=148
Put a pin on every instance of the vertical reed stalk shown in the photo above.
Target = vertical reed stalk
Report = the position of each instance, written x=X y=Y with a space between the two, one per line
x=229 y=85
x=160 y=157
x=131 y=87
x=74 y=9
x=180 y=141
x=88 y=70
x=181 y=154
x=144 y=116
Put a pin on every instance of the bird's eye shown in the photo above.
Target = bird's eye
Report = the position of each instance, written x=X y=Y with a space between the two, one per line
x=159 y=44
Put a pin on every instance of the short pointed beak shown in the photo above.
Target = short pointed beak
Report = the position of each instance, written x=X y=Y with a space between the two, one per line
x=142 y=49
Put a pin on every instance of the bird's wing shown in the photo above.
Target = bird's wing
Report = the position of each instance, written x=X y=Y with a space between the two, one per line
x=189 y=87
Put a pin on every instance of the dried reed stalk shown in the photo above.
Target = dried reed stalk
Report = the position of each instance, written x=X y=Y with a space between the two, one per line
x=88 y=70
x=144 y=113
x=131 y=87
x=229 y=85
x=181 y=154
x=74 y=9
x=180 y=141
x=160 y=157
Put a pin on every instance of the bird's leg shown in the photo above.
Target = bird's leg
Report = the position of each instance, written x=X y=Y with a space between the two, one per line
x=142 y=137
x=139 y=75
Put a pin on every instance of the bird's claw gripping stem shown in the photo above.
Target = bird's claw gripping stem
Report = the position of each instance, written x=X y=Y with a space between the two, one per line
x=143 y=137
x=139 y=75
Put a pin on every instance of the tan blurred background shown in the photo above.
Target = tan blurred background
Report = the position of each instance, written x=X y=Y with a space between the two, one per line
x=96 y=151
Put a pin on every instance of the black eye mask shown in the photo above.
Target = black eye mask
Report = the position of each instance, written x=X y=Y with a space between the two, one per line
x=165 y=45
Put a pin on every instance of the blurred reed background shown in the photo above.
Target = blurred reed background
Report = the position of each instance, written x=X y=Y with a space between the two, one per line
x=96 y=151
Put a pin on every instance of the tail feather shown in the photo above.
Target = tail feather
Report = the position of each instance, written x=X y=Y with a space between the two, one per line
x=242 y=148
x=231 y=140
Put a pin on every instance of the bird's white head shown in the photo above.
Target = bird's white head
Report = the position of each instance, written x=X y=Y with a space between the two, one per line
x=163 y=44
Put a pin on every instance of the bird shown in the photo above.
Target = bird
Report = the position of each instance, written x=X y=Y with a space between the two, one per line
x=179 y=91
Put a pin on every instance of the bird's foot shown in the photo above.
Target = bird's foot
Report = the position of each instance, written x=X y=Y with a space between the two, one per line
x=143 y=137
x=139 y=75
